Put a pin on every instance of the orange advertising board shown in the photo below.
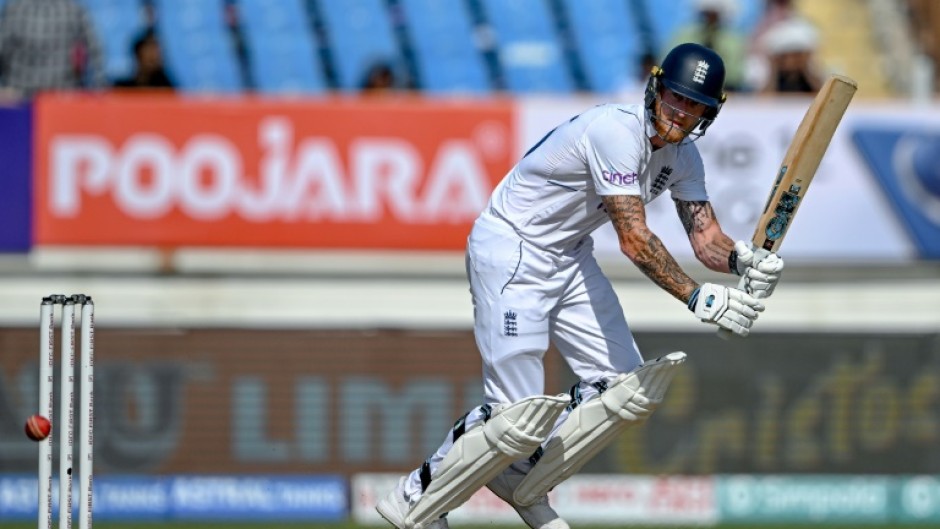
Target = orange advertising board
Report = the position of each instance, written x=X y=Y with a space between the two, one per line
x=328 y=173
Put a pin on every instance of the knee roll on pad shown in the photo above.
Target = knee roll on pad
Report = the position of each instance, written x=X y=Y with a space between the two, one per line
x=590 y=427
x=479 y=455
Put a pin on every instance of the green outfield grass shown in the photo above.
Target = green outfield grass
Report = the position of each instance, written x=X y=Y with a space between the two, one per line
x=254 y=525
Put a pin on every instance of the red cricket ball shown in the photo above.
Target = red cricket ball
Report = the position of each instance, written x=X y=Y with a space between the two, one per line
x=38 y=427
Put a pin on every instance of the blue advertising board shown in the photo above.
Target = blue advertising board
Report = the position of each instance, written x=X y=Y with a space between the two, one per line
x=906 y=162
x=16 y=158
x=258 y=498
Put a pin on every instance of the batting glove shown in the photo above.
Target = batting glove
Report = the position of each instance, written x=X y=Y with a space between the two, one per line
x=759 y=270
x=729 y=308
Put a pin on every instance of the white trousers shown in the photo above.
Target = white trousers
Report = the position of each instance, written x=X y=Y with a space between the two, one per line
x=525 y=298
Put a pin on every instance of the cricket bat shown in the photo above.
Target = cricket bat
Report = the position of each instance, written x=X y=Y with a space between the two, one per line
x=799 y=166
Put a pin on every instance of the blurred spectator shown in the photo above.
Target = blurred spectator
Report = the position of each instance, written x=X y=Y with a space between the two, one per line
x=757 y=67
x=925 y=21
x=379 y=79
x=636 y=84
x=790 y=47
x=775 y=12
x=148 y=71
x=48 y=45
x=712 y=29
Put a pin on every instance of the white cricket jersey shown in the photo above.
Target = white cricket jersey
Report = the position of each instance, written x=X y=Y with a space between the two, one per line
x=552 y=196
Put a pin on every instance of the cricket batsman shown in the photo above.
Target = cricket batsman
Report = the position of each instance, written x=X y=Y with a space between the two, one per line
x=534 y=281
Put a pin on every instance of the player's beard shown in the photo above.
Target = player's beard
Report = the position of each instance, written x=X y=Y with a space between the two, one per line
x=669 y=131
x=668 y=126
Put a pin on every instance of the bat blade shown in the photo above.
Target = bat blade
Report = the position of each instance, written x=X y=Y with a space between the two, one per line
x=801 y=161
x=799 y=166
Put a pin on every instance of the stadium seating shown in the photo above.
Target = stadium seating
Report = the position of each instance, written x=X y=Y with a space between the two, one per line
x=667 y=17
x=605 y=34
x=529 y=47
x=197 y=45
x=281 y=54
x=359 y=34
x=442 y=37
x=117 y=24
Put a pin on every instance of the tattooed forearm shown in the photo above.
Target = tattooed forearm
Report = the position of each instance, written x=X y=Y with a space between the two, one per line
x=695 y=216
x=654 y=260
x=625 y=212
x=644 y=248
x=711 y=245
x=714 y=254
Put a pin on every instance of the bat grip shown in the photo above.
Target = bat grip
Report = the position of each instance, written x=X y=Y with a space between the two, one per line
x=759 y=255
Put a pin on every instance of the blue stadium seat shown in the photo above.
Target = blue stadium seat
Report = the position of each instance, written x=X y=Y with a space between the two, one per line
x=117 y=24
x=285 y=65
x=666 y=18
x=607 y=39
x=447 y=57
x=281 y=53
x=530 y=51
x=360 y=34
x=200 y=55
x=749 y=14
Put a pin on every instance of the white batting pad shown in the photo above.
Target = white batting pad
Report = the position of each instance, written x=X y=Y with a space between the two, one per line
x=513 y=432
x=630 y=400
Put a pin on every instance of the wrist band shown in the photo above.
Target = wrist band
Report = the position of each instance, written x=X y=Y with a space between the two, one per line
x=693 y=299
x=733 y=262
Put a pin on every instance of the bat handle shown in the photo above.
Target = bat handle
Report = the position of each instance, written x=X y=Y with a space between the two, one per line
x=759 y=255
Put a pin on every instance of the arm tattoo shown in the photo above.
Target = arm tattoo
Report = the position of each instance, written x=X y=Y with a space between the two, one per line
x=698 y=217
x=644 y=248
x=718 y=253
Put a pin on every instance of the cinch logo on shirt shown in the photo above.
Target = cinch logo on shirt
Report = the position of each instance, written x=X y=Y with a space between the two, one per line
x=620 y=179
